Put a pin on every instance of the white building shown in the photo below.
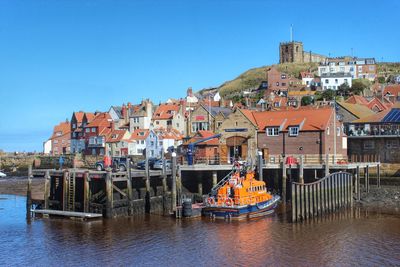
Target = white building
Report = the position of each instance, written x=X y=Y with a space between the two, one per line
x=334 y=80
x=47 y=147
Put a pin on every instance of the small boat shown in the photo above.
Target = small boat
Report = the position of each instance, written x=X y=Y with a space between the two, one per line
x=2 y=174
x=239 y=196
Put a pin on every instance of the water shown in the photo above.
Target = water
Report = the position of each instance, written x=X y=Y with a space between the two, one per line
x=349 y=238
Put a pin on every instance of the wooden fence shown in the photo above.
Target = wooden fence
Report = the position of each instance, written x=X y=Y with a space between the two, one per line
x=324 y=196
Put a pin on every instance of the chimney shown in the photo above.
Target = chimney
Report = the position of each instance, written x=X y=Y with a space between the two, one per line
x=189 y=91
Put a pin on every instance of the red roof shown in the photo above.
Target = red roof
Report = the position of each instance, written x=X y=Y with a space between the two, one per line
x=306 y=118
x=392 y=90
x=249 y=115
x=61 y=129
x=168 y=134
x=115 y=136
x=89 y=116
x=166 y=111
x=79 y=116
x=357 y=99
x=139 y=134
x=305 y=74
x=101 y=119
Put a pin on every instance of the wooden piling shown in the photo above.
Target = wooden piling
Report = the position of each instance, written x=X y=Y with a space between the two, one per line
x=29 y=193
x=358 y=183
x=65 y=190
x=301 y=170
x=47 y=180
x=164 y=175
x=173 y=190
x=284 y=179
x=109 y=194
x=306 y=196
x=86 y=192
x=378 y=173
x=214 y=178
x=298 y=204
x=294 y=209
x=326 y=164
x=200 y=188
x=319 y=188
x=315 y=195
x=129 y=187
x=367 y=178
x=260 y=166
x=302 y=201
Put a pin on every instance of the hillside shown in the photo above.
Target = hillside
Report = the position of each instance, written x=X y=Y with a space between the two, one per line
x=252 y=78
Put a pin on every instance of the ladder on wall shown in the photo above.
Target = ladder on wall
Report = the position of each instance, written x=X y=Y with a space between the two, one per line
x=71 y=193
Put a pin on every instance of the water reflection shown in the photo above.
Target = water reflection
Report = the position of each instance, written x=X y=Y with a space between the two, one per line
x=352 y=237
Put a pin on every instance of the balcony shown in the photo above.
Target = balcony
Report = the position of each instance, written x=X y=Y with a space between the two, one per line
x=97 y=141
x=373 y=130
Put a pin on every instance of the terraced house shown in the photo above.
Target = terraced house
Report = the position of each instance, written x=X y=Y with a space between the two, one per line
x=61 y=139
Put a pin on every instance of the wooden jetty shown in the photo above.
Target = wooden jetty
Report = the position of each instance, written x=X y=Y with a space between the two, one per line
x=86 y=193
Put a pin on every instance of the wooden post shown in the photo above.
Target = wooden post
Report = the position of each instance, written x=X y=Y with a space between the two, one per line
x=200 y=188
x=214 y=178
x=315 y=200
x=47 y=180
x=301 y=170
x=86 y=192
x=378 y=173
x=129 y=186
x=173 y=191
x=306 y=195
x=367 y=178
x=29 y=193
x=65 y=190
x=260 y=165
x=294 y=210
x=326 y=164
x=147 y=170
x=284 y=178
x=164 y=174
x=358 y=183
x=319 y=199
x=302 y=199
x=109 y=194
x=298 y=204
x=323 y=196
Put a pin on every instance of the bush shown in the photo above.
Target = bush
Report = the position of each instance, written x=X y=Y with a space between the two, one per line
x=306 y=100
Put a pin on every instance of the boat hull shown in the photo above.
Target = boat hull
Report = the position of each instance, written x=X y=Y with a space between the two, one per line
x=244 y=212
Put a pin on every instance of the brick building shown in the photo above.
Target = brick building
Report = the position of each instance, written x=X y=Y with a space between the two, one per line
x=78 y=121
x=95 y=133
x=206 y=118
x=61 y=139
x=280 y=81
x=301 y=131
x=204 y=152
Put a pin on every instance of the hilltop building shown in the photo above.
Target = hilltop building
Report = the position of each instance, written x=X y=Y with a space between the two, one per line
x=293 y=52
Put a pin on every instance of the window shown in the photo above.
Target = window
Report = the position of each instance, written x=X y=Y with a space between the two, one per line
x=283 y=84
x=345 y=81
x=326 y=81
x=142 y=142
x=73 y=126
x=93 y=130
x=336 y=81
x=323 y=70
x=328 y=132
x=342 y=69
x=283 y=76
x=199 y=126
x=392 y=144
x=371 y=68
x=160 y=143
x=277 y=83
x=294 y=131
x=157 y=122
x=272 y=131
x=219 y=123
x=369 y=144
x=338 y=131
x=139 y=151
x=152 y=143
x=55 y=141
x=93 y=151
x=177 y=125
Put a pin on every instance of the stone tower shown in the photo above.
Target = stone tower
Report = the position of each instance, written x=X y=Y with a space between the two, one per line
x=291 y=52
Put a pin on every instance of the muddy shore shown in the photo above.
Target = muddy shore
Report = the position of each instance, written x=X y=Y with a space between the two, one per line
x=18 y=186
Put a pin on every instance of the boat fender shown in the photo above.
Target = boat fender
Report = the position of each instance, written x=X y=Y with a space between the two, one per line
x=229 y=201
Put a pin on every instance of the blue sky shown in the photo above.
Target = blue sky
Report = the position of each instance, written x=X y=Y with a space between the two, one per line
x=61 y=56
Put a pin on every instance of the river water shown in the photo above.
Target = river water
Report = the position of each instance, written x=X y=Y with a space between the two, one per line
x=356 y=237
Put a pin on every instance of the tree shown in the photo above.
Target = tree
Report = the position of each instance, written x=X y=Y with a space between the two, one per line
x=381 y=80
x=343 y=89
x=306 y=100
x=328 y=94
x=359 y=85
